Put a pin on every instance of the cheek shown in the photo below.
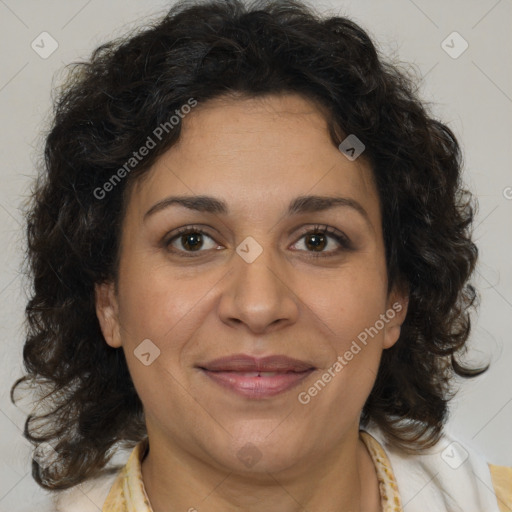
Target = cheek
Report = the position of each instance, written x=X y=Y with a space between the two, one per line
x=349 y=302
x=160 y=307
x=157 y=301
x=167 y=308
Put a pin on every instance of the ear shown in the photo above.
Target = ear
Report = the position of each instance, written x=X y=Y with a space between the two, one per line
x=396 y=311
x=107 y=312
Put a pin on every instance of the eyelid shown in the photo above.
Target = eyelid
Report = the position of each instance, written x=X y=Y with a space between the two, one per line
x=175 y=234
x=325 y=229
x=341 y=238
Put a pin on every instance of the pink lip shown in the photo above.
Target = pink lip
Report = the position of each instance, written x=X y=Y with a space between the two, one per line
x=245 y=363
x=258 y=387
x=232 y=373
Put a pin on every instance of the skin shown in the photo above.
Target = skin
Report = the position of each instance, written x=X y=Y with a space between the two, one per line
x=257 y=155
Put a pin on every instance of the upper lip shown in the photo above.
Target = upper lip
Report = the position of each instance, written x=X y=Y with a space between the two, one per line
x=246 y=363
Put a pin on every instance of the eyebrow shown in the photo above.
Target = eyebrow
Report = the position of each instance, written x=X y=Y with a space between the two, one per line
x=301 y=204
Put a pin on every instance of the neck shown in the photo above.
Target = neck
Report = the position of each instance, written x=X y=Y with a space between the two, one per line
x=344 y=480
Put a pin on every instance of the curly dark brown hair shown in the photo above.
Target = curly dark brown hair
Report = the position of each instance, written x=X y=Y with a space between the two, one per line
x=202 y=50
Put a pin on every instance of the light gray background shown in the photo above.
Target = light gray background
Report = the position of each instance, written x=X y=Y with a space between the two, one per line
x=472 y=94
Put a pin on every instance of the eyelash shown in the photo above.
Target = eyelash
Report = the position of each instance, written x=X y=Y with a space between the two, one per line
x=340 y=237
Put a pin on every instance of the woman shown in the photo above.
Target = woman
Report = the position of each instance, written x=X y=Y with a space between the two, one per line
x=250 y=251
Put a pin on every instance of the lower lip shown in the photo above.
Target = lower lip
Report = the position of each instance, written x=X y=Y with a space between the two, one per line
x=258 y=387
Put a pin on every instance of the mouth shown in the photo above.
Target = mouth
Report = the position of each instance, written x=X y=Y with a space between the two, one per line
x=257 y=378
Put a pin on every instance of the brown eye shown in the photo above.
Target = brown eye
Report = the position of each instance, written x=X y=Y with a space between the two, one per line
x=319 y=238
x=192 y=241
x=316 y=241
x=189 y=240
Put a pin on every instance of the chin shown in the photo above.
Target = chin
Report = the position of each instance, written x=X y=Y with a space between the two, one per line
x=257 y=455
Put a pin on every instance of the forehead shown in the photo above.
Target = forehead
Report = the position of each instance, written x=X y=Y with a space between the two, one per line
x=256 y=152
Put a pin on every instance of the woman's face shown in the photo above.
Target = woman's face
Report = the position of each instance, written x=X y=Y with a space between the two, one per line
x=256 y=278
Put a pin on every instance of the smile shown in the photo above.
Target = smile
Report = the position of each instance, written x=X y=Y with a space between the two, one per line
x=257 y=384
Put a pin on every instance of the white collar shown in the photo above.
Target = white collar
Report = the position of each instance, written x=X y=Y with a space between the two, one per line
x=449 y=477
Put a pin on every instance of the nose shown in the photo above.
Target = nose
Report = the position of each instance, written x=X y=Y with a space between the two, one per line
x=259 y=294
